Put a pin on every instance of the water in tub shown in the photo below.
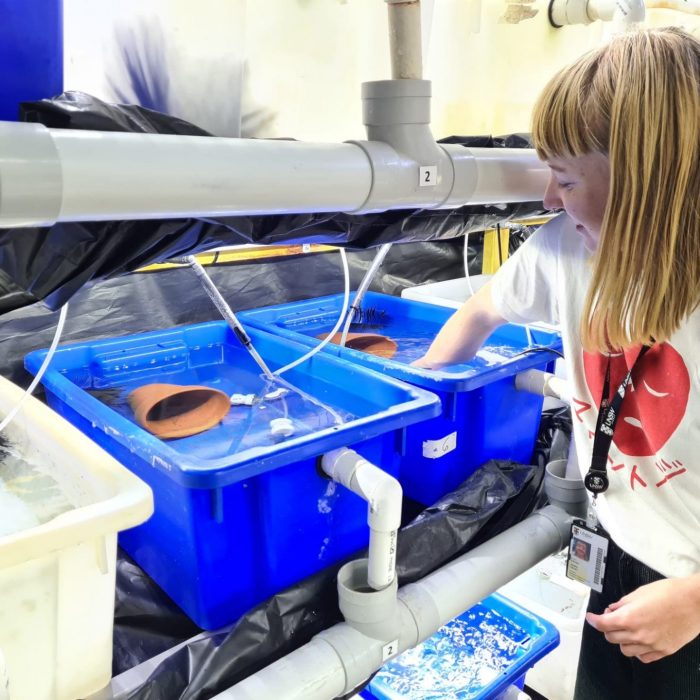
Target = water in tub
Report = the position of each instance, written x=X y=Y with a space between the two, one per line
x=459 y=661
x=29 y=495
x=414 y=339
x=248 y=424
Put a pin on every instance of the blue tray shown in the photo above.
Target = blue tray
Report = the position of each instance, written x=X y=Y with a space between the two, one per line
x=477 y=656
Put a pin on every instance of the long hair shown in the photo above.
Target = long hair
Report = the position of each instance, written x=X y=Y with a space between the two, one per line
x=637 y=100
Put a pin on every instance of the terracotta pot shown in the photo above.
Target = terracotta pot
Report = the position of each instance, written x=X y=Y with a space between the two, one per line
x=372 y=343
x=173 y=411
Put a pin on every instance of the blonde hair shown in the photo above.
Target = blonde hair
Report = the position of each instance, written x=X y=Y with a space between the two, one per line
x=637 y=100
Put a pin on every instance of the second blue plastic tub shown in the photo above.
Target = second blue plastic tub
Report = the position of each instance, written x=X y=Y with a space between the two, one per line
x=483 y=415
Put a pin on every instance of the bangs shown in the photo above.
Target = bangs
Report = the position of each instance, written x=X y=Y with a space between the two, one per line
x=568 y=117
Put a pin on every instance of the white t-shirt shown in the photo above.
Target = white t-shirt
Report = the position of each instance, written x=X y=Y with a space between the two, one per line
x=652 y=507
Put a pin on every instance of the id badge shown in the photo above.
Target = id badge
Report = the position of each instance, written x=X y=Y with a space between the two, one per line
x=588 y=553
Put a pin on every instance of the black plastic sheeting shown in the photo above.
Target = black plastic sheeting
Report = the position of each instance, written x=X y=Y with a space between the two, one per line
x=150 y=301
x=52 y=264
x=216 y=660
x=497 y=496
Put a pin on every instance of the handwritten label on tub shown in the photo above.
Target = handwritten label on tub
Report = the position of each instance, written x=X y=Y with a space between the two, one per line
x=434 y=449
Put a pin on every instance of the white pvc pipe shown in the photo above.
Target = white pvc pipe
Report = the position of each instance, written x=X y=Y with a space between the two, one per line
x=627 y=12
x=440 y=596
x=99 y=176
x=383 y=494
x=313 y=672
x=148 y=175
x=405 y=39
x=423 y=608
x=543 y=384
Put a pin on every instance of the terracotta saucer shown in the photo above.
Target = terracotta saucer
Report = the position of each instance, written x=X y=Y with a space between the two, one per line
x=372 y=343
x=173 y=411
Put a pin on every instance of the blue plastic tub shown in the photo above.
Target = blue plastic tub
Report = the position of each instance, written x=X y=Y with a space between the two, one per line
x=484 y=416
x=476 y=656
x=31 y=52
x=238 y=515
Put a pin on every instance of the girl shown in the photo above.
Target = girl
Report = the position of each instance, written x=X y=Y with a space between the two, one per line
x=619 y=271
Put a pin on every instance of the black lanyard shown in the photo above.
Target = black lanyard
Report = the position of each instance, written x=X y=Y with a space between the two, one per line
x=596 y=480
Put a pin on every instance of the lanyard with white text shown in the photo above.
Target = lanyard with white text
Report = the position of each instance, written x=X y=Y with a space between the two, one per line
x=596 y=480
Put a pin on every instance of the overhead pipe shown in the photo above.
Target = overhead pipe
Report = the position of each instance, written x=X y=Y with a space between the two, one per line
x=59 y=175
x=56 y=175
x=336 y=661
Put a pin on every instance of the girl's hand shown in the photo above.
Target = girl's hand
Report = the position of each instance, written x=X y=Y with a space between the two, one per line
x=654 y=621
x=425 y=363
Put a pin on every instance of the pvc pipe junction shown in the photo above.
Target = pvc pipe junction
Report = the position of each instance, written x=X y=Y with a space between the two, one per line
x=339 y=659
x=52 y=175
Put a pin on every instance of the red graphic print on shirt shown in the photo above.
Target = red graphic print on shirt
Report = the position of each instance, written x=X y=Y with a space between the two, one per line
x=655 y=401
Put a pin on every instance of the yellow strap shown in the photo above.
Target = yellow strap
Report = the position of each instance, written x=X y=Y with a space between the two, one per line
x=222 y=257
x=491 y=260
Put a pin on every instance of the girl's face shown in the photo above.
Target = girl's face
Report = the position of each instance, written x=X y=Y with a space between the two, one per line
x=579 y=185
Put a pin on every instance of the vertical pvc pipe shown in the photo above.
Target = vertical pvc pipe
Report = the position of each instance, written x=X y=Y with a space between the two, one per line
x=405 y=39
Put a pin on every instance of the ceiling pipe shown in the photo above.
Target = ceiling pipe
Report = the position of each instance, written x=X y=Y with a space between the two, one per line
x=691 y=7
x=55 y=175
x=405 y=43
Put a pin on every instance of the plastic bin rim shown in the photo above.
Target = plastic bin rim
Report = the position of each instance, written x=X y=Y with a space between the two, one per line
x=439 y=379
x=131 y=505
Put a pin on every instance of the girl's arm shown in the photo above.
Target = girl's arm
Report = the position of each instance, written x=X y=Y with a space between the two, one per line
x=465 y=332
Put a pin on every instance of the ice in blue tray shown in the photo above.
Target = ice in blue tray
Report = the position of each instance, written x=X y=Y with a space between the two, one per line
x=474 y=657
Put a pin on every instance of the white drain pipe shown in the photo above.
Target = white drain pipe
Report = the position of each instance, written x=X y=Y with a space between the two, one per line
x=541 y=383
x=383 y=494
x=339 y=659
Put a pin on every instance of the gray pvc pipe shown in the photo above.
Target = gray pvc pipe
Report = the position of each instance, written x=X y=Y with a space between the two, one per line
x=52 y=175
x=337 y=660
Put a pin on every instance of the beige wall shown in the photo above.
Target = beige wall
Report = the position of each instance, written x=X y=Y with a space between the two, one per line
x=306 y=59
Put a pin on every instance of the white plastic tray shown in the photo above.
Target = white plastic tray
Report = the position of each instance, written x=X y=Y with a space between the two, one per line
x=57 y=578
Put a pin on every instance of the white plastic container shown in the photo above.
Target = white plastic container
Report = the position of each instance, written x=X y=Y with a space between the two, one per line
x=57 y=578
x=545 y=591
x=450 y=293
